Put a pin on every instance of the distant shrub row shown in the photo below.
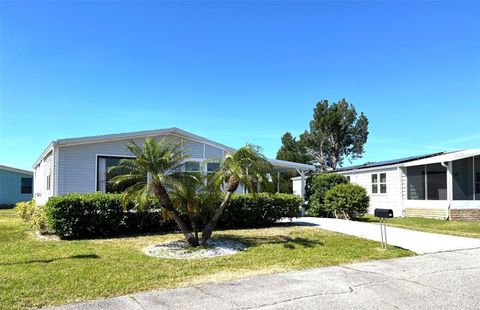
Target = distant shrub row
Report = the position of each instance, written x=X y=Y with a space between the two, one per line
x=96 y=215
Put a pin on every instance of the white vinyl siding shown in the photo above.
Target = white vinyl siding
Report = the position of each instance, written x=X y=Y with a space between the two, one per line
x=389 y=200
x=42 y=174
x=213 y=152
x=78 y=163
x=193 y=149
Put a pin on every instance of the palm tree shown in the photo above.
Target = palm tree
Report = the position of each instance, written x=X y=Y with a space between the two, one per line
x=154 y=171
x=157 y=170
x=247 y=166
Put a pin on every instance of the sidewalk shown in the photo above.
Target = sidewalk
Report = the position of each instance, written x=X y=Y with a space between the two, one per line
x=447 y=280
x=416 y=241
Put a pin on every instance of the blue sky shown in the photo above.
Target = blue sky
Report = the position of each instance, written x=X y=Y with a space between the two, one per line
x=238 y=72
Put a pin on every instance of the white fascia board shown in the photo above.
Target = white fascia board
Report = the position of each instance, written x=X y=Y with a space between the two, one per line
x=142 y=134
x=367 y=169
x=17 y=170
x=44 y=153
x=290 y=164
x=444 y=158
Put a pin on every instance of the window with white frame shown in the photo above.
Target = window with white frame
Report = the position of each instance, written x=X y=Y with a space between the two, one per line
x=192 y=166
x=212 y=167
x=379 y=183
x=48 y=182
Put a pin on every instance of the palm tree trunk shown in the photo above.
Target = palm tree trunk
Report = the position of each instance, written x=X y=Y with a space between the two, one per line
x=165 y=202
x=207 y=231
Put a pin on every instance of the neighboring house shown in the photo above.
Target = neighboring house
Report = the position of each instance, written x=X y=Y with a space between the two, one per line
x=440 y=185
x=80 y=164
x=15 y=185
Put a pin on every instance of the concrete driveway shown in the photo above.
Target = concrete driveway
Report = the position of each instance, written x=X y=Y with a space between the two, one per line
x=446 y=280
x=416 y=241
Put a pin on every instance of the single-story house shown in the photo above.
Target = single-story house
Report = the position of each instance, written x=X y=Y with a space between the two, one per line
x=80 y=164
x=440 y=185
x=15 y=185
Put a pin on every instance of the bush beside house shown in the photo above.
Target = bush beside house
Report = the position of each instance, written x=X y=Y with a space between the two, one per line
x=316 y=189
x=347 y=200
x=96 y=215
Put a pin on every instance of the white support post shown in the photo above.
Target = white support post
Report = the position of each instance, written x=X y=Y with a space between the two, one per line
x=278 y=182
x=302 y=191
x=449 y=187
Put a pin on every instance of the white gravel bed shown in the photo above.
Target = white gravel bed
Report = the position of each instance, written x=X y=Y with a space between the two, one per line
x=181 y=250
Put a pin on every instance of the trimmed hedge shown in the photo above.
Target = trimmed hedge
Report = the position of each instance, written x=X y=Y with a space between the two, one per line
x=262 y=209
x=97 y=215
x=317 y=188
x=347 y=200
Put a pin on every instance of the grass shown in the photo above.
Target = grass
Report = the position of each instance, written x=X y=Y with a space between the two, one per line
x=456 y=228
x=38 y=273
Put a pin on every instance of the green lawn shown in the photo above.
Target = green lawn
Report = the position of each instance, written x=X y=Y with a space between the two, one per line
x=37 y=273
x=456 y=228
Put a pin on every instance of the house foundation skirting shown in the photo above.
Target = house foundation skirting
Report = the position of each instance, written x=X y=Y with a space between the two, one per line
x=465 y=214
x=433 y=213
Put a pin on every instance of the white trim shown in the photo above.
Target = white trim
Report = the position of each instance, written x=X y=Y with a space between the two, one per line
x=444 y=157
x=44 y=153
x=11 y=169
x=55 y=161
x=289 y=164
x=142 y=134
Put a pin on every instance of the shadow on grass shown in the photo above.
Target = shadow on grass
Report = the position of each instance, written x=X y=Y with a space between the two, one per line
x=46 y=261
x=287 y=241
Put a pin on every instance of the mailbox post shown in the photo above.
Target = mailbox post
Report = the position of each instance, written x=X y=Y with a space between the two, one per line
x=383 y=214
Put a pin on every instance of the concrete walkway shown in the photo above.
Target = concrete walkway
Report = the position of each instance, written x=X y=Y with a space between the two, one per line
x=416 y=241
x=447 y=280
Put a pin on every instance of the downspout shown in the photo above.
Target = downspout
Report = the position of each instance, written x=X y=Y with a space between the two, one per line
x=449 y=187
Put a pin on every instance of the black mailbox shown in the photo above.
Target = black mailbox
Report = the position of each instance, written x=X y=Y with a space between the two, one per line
x=383 y=213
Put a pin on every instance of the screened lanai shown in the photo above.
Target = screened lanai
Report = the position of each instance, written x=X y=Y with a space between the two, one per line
x=452 y=177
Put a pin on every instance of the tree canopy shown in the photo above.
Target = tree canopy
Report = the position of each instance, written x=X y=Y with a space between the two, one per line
x=336 y=132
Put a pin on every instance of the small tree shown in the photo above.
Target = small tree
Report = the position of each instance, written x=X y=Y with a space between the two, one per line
x=157 y=170
x=247 y=166
x=317 y=187
x=336 y=132
x=350 y=200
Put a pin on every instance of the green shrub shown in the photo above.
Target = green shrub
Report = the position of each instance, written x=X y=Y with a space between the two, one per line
x=96 y=214
x=347 y=200
x=25 y=209
x=38 y=220
x=318 y=186
x=254 y=210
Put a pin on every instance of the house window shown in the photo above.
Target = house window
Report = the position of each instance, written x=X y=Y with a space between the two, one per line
x=104 y=176
x=212 y=167
x=463 y=179
x=48 y=182
x=427 y=182
x=436 y=182
x=26 y=186
x=192 y=166
x=379 y=183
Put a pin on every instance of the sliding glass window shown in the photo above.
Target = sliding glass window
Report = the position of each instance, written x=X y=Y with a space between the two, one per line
x=104 y=176
x=427 y=182
x=477 y=177
x=416 y=183
x=463 y=179
x=436 y=182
